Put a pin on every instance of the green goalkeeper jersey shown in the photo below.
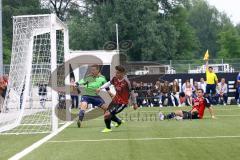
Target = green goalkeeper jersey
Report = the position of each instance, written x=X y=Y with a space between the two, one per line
x=91 y=84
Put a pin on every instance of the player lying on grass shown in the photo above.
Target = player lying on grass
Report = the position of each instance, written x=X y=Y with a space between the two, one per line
x=197 y=111
x=89 y=95
x=120 y=100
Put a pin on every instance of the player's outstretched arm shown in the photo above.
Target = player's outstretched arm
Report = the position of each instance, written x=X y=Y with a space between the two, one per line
x=106 y=86
x=206 y=65
x=80 y=82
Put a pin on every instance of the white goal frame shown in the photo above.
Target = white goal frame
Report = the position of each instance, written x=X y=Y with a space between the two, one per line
x=55 y=24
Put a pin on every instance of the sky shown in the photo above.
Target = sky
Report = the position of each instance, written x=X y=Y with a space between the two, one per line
x=230 y=7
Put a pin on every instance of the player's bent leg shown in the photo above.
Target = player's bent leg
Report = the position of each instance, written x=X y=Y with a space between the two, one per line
x=118 y=108
x=104 y=107
x=171 y=115
x=118 y=121
x=179 y=113
x=110 y=115
x=107 y=120
x=81 y=114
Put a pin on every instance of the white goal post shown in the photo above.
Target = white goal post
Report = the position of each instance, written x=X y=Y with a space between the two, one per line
x=39 y=75
x=39 y=45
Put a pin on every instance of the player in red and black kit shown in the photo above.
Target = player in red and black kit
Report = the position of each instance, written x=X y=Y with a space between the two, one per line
x=197 y=111
x=120 y=100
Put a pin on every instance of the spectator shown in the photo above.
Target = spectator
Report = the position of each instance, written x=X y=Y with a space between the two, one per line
x=182 y=96
x=1 y=103
x=74 y=92
x=157 y=94
x=61 y=100
x=212 y=80
x=238 y=88
x=188 y=92
x=2 y=88
x=202 y=85
x=182 y=99
x=3 y=85
x=195 y=87
x=222 y=92
x=157 y=86
x=149 y=98
x=165 y=90
x=134 y=85
x=42 y=92
x=184 y=85
x=143 y=86
x=175 y=93
x=137 y=90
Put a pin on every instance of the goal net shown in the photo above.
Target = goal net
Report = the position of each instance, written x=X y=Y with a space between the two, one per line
x=39 y=44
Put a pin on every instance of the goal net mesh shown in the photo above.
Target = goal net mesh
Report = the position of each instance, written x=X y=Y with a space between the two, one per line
x=28 y=103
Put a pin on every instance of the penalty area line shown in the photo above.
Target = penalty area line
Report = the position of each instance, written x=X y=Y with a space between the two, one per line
x=141 y=139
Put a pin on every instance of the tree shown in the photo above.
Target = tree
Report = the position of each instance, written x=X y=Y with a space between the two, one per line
x=186 y=41
x=205 y=20
x=14 y=8
x=64 y=9
x=229 y=41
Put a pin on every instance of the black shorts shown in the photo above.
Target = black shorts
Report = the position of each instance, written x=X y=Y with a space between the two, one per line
x=189 y=115
x=211 y=88
x=116 y=108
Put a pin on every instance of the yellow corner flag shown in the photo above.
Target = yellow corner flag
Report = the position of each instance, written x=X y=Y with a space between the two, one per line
x=206 y=56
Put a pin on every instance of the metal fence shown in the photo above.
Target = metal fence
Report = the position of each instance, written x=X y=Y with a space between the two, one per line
x=182 y=66
x=174 y=66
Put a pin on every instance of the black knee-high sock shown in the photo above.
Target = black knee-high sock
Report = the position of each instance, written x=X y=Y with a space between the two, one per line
x=81 y=114
x=108 y=122
x=116 y=119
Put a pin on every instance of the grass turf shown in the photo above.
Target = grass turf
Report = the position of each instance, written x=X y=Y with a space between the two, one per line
x=128 y=142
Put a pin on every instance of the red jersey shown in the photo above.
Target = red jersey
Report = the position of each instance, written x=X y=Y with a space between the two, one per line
x=122 y=88
x=200 y=104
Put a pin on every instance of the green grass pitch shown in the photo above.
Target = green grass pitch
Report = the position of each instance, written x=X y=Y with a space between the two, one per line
x=142 y=137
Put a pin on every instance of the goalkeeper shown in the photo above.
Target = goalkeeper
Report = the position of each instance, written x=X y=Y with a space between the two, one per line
x=89 y=95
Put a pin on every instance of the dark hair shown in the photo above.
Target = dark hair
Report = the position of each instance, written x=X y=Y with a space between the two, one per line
x=200 y=89
x=120 y=69
x=96 y=66
x=210 y=67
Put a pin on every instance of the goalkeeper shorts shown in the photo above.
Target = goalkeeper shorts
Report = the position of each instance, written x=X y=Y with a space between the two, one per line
x=94 y=100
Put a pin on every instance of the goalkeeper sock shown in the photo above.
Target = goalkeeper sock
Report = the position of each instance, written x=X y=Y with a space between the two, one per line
x=81 y=114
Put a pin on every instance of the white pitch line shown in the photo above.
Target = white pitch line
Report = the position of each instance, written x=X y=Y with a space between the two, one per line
x=142 y=116
x=226 y=115
x=38 y=143
x=141 y=139
x=41 y=141
x=215 y=109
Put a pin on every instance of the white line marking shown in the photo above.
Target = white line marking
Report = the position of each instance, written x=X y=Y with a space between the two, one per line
x=38 y=143
x=142 y=139
x=47 y=138
x=162 y=110
x=41 y=141
x=142 y=117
